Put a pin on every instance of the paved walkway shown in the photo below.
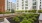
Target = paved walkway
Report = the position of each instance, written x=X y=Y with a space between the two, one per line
x=40 y=17
x=5 y=21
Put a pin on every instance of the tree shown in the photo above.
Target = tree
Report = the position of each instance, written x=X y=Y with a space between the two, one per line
x=12 y=11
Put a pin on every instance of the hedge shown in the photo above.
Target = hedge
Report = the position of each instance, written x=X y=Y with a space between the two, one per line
x=26 y=18
x=33 y=11
x=39 y=11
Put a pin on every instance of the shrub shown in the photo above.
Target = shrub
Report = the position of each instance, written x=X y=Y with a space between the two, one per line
x=26 y=18
x=2 y=12
x=39 y=11
x=20 y=11
x=26 y=10
x=7 y=12
x=12 y=11
x=33 y=11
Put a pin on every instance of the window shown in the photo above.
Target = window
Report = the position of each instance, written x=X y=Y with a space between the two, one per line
x=26 y=4
x=22 y=3
x=17 y=5
x=17 y=8
x=26 y=1
x=17 y=0
x=40 y=2
x=34 y=0
x=22 y=7
x=22 y=0
x=26 y=7
x=34 y=7
x=40 y=6
x=34 y=3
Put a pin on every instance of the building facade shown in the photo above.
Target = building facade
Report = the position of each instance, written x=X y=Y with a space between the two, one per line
x=28 y=4
x=9 y=6
x=2 y=5
x=6 y=2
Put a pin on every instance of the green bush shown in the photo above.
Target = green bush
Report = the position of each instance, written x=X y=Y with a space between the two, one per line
x=12 y=11
x=20 y=11
x=26 y=21
x=7 y=12
x=26 y=18
x=33 y=11
x=26 y=10
x=1 y=13
x=39 y=11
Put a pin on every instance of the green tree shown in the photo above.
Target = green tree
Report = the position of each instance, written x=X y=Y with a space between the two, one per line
x=12 y=11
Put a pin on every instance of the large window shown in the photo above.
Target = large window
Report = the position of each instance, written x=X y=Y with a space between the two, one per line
x=17 y=0
x=40 y=6
x=26 y=4
x=22 y=7
x=34 y=0
x=17 y=5
x=34 y=7
x=26 y=8
x=17 y=8
x=34 y=3
x=40 y=0
x=22 y=0
x=26 y=1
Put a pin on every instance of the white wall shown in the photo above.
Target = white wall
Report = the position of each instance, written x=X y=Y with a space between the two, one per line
x=30 y=4
x=38 y=4
x=5 y=5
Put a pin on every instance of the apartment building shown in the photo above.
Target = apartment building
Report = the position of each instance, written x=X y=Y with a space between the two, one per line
x=28 y=4
x=10 y=6
x=2 y=5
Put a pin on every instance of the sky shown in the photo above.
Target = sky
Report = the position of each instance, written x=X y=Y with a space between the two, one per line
x=14 y=1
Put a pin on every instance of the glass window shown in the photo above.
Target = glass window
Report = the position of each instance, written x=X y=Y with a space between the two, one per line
x=34 y=7
x=40 y=0
x=34 y=0
x=26 y=7
x=22 y=0
x=17 y=0
x=34 y=3
x=17 y=8
x=17 y=5
x=26 y=4
x=26 y=1
x=22 y=8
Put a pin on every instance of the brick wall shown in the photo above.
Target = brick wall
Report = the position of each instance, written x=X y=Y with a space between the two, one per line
x=2 y=5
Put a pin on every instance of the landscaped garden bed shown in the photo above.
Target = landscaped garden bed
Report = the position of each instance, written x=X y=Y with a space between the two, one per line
x=25 y=18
